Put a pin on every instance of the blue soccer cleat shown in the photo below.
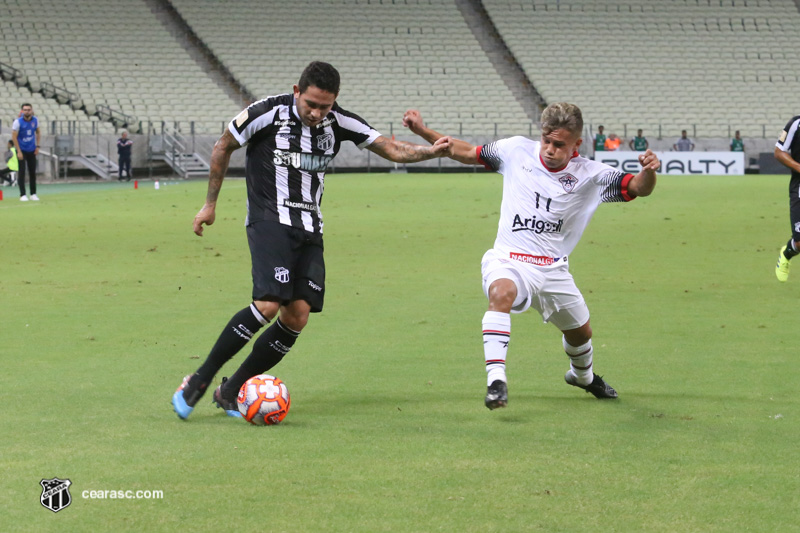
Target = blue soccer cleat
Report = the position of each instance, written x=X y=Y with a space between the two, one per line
x=187 y=396
x=182 y=409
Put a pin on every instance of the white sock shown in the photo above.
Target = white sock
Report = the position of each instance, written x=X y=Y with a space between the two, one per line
x=580 y=361
x=496 y=333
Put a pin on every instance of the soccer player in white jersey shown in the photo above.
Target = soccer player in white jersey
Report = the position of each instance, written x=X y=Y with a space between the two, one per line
x=549 y=195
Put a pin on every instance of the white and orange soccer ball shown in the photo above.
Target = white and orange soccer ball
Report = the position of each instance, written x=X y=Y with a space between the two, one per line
x=263 y=400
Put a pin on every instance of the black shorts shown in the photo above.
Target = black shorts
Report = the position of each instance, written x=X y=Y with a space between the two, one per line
x=287 y=264
x=794 y=207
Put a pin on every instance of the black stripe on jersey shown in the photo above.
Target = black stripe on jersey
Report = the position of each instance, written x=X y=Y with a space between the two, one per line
x=257 y=109
x=490 y=156
x=346 y=133
x=612 y=186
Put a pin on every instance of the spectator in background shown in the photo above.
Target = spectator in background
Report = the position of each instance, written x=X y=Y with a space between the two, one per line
x=684 y=144
x=737 y=144
x=25 y=135
x=638 y=143
x=613 y=142
x=599 y=140
x=124 y=152
x=12 y=165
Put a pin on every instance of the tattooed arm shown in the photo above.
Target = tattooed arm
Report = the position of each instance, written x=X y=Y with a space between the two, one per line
x=403 y=152
x=220 y=157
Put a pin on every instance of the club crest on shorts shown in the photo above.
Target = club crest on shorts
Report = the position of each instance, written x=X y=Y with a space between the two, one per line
x=55 y=494
x=568 y=181
x=282 y=275
x=325 y=141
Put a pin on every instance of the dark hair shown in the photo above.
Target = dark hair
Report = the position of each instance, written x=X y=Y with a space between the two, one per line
x=320 y=75
x=23 y=105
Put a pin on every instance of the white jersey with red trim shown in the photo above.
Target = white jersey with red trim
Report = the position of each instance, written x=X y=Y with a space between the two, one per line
x=545 y=212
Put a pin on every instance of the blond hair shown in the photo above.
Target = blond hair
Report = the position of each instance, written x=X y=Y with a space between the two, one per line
x=562 y=115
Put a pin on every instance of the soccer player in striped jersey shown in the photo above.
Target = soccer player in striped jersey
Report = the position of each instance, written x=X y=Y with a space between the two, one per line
x=549 y=195
x=291 y=139
x=787 y=152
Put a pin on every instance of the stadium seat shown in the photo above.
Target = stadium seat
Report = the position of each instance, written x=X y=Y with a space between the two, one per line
x=688 y=43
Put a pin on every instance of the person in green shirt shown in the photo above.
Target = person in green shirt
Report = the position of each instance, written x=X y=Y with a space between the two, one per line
x=737 y=144
x=639 y=143
x=12 y=165
x=599 y=140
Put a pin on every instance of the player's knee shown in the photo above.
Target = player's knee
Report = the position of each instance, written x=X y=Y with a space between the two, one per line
x=578 y=336
x=295 y=321
x=502 y=294
x=295 y=315
x=267 y=309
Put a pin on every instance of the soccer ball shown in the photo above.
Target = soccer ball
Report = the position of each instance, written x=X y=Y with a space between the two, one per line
x=263 y=400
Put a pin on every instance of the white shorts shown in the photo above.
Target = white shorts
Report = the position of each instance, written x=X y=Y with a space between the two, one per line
x=551 y=290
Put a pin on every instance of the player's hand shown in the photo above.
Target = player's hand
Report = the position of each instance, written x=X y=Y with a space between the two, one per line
x=412 y=120
x=649 y=161
x=206 y=216
x=444 y=147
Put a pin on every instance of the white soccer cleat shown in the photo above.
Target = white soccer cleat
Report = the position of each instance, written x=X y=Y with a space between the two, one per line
x=34 y=198
x=23 y=198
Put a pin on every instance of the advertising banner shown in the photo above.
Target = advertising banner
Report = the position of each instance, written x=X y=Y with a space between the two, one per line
x=679 y=163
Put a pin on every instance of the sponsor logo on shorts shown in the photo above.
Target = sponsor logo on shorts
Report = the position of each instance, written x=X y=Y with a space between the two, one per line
x=314 y=286
x=282 y=274
x=539 y=260
x=797 y=227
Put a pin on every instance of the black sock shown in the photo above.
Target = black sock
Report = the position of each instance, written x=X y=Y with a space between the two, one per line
x=268 y=350
x=236 y=334
x=194 y=390
x=789 y=252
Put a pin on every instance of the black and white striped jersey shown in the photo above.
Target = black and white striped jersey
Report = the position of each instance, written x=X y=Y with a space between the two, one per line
x=286 y=160
x=789 y=141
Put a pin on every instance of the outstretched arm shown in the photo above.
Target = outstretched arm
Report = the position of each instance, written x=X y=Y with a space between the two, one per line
x=463 y=151
x=220 y=158
x=403 y=152
x=643 y=183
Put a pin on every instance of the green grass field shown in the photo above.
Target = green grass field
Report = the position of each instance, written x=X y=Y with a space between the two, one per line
x=109 y=299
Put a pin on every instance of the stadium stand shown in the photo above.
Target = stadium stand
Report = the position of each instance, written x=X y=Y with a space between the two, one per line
x=708 y=66
x=392 y=56
x=54 y=117
x=110 y=52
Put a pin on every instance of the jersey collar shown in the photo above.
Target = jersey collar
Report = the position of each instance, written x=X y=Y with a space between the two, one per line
x=574 y=155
